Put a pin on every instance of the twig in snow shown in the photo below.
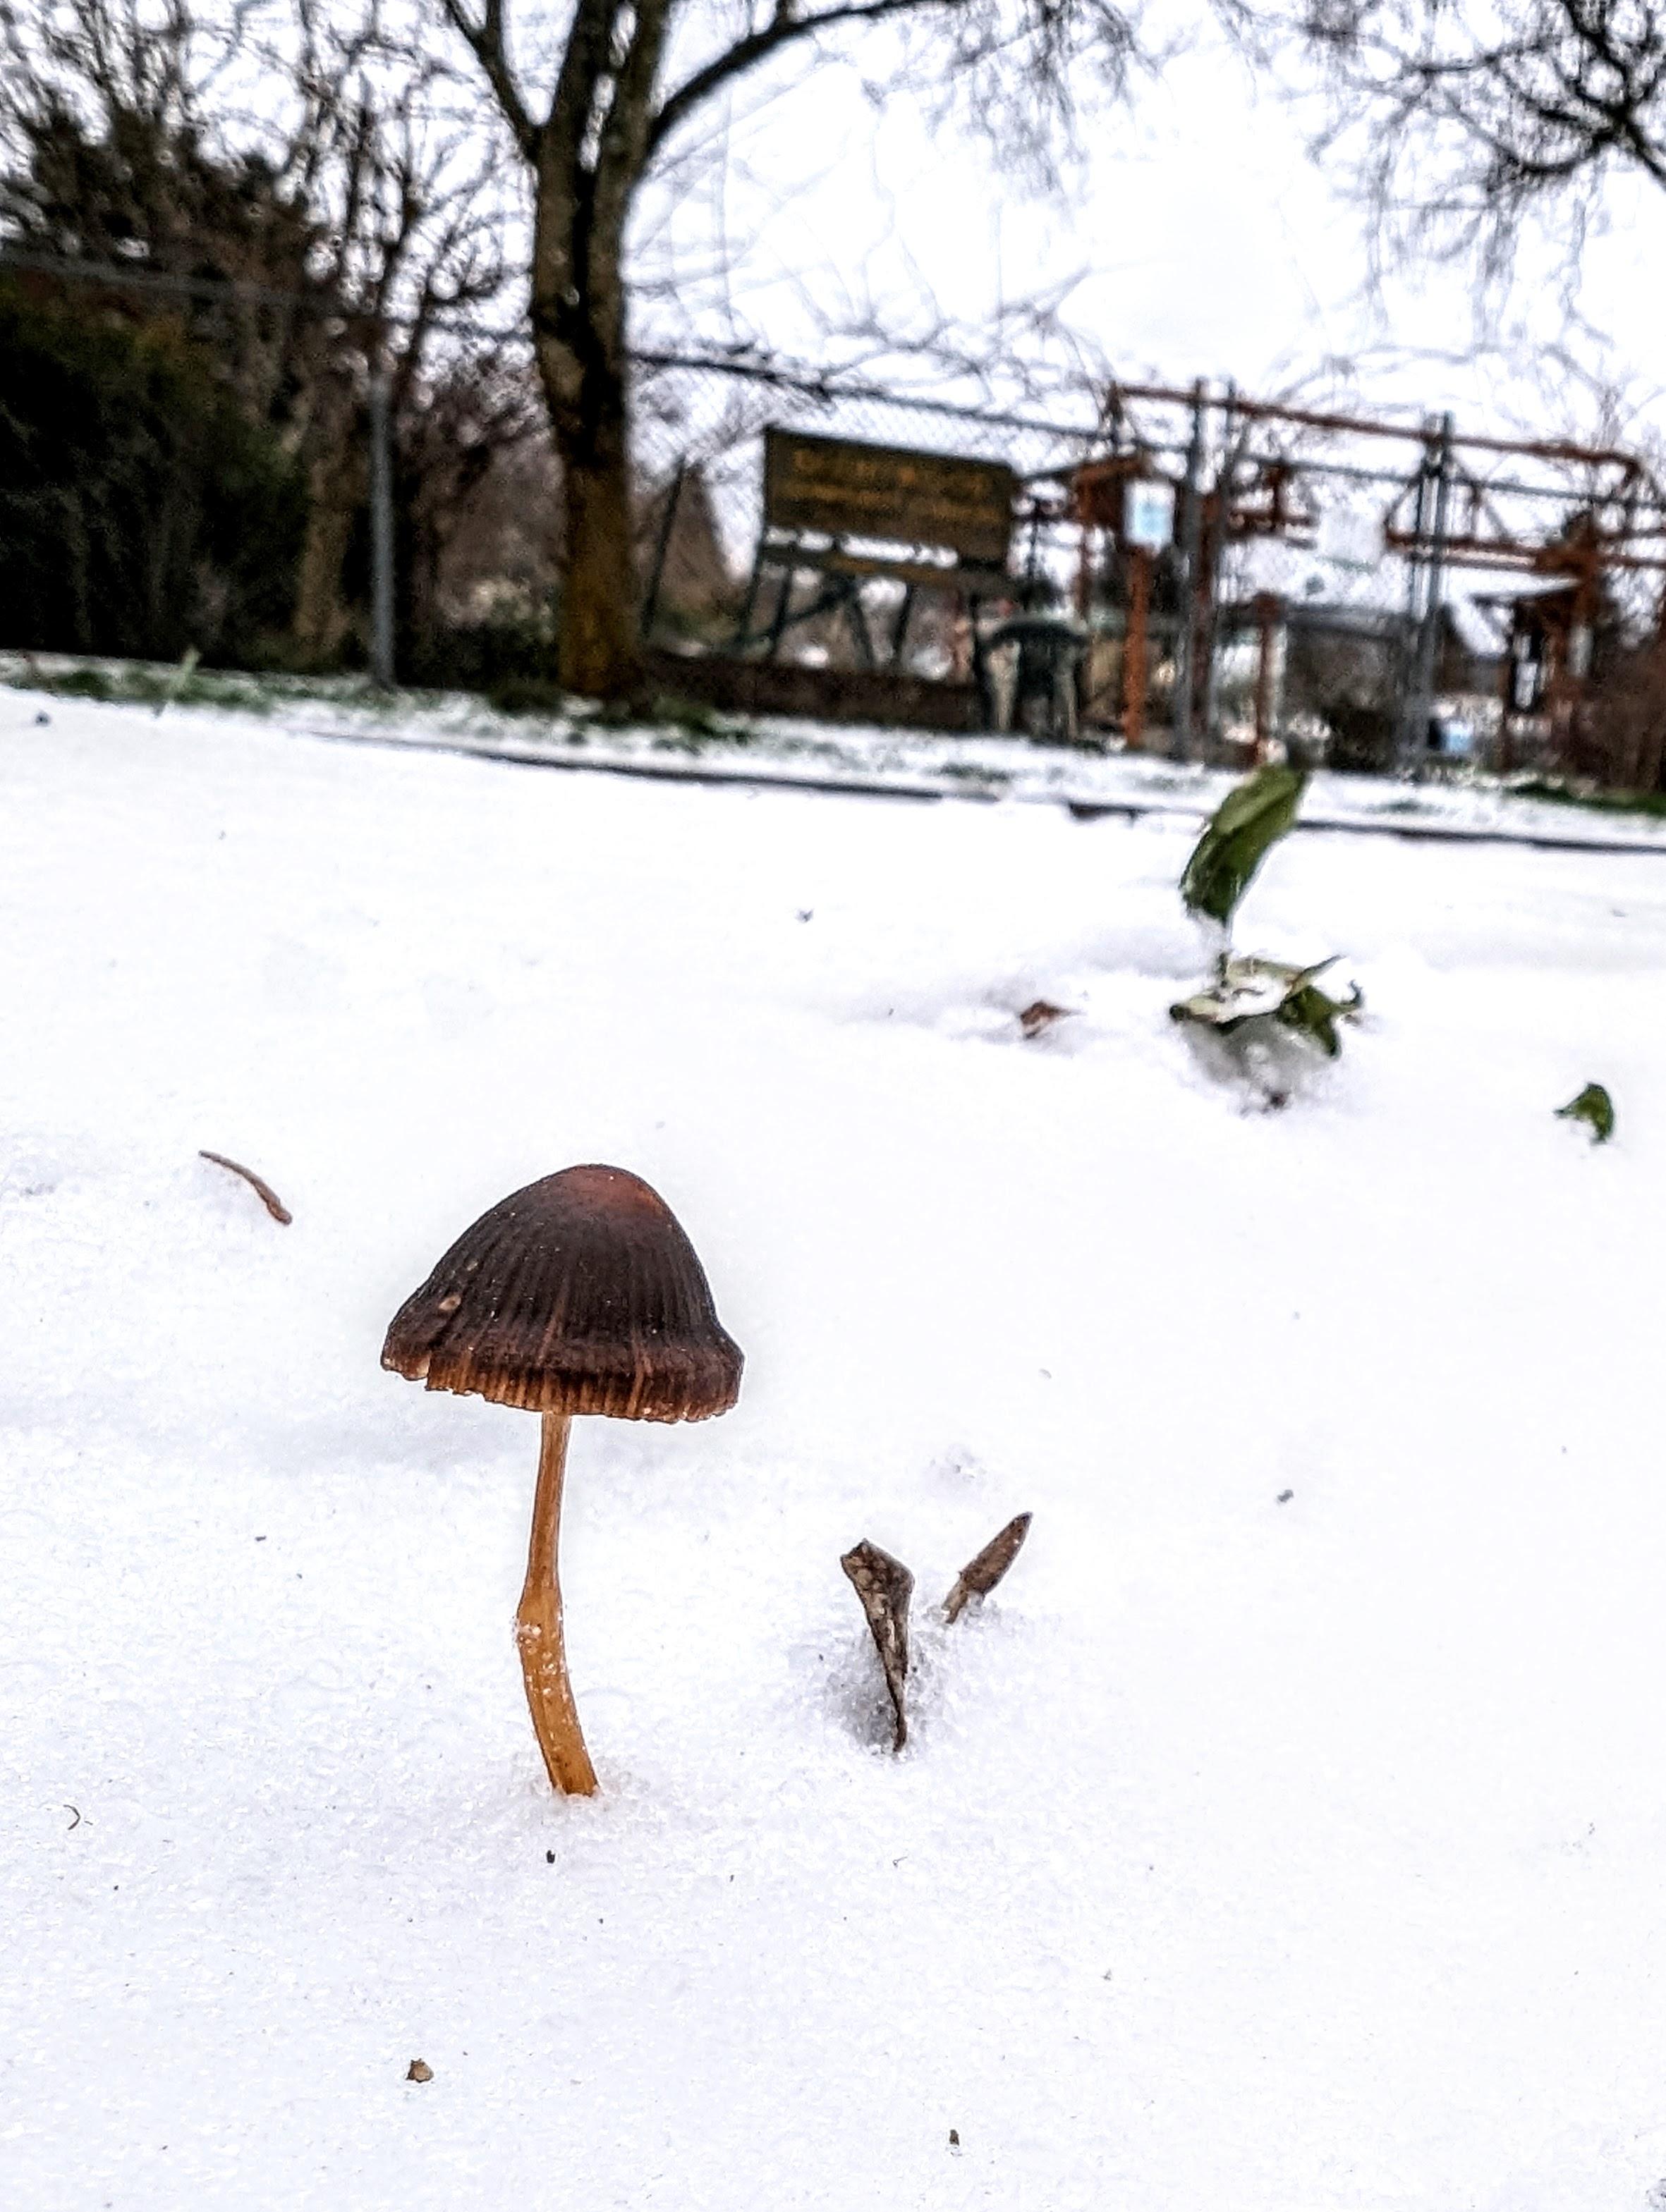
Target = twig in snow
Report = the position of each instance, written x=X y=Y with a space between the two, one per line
x=262 y=1189
x=979 y=1576
x=885 y=1586
x=75 y=1823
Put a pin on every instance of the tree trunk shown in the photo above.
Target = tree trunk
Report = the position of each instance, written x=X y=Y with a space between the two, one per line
x=322 y=619
x=331 y=447
x=599 y=651
x=578 y=316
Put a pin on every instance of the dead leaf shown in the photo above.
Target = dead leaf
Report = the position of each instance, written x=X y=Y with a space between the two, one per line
x=979 y=1576
x=884 y=1586
x=1040 y=1014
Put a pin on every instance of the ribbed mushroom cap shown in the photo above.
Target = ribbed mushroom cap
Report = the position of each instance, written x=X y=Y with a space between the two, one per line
x=580 y=1294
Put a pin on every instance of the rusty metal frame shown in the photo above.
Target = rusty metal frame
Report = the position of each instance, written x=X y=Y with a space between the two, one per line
x=1442 y=512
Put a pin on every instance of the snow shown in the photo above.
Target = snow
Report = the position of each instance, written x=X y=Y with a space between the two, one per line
x=909 y=763
x=1281 y=1858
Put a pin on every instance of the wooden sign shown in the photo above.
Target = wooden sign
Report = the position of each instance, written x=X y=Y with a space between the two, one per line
x=890 y=492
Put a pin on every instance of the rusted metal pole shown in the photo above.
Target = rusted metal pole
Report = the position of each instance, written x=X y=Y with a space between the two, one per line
x=1134 y=650
x=1568 y=719
x=1278 y=410
x=1267 y=611
x=1221 y=524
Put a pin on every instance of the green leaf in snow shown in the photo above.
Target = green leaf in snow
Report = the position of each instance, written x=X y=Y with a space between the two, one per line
x=1594 y=1107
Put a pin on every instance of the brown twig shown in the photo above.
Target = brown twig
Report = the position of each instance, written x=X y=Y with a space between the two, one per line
x=979 y=1576
x=262 y=1189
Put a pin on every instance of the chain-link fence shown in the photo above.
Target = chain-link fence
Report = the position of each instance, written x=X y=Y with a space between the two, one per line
x=701 y=427
x=1380 y=590
x=710 y=415
x=1213 y=575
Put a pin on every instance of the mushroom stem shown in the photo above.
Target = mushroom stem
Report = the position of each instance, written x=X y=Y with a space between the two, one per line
x=539 y=1635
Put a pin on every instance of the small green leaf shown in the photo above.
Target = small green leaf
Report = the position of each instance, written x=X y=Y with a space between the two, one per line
x=1236 y=839
x=1594 y=1107
x=1314 y=1013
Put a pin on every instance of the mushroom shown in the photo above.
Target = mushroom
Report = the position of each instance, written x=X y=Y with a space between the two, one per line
x=580 y=1294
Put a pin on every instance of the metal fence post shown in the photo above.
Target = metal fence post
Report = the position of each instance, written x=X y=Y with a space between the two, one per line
x=1225 y=484
x=1191 y=545
x=381 y=531
x=1434 y=506
x=1429 y=667
x=661 y=547
x=1405 y=659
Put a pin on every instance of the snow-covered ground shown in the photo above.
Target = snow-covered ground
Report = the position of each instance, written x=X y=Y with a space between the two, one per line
x=791 y=753
x=1249 y=1855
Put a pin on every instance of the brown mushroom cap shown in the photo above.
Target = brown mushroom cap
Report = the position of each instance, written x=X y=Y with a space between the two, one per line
x=580 y=1294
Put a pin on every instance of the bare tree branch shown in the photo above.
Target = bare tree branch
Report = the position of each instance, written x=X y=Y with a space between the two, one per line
x=1462 y=123
x=783 y=29
x=488 y=41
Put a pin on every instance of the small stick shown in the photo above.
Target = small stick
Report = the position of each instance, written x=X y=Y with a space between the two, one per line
x=979 y=1576
x=263 y=1190
x=885 y=1586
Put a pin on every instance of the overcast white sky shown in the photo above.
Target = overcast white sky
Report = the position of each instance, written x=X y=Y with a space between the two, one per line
x=1212 y=245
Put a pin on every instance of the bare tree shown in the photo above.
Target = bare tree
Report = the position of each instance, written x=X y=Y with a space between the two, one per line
x=478 y=493
x=592 y=105
x=414 y=239
x=1472 y=117
x=303 y=155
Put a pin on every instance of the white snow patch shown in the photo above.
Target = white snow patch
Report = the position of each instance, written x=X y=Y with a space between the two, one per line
x=1296 y=1856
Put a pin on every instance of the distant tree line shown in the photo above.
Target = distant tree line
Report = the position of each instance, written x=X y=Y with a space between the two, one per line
x=184 y=451
x=397 y=175
x=338 y=188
